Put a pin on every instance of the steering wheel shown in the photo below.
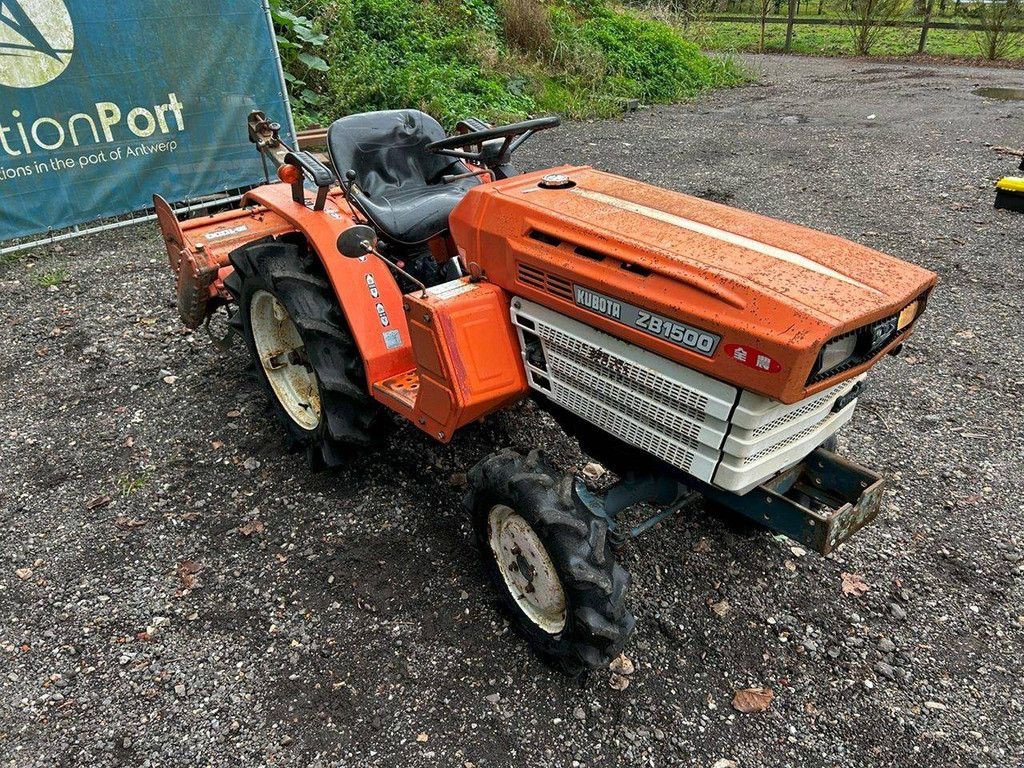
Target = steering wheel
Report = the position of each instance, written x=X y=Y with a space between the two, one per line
x=488 y=153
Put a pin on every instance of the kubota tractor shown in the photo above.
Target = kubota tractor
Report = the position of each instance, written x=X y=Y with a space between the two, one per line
x=694 y=348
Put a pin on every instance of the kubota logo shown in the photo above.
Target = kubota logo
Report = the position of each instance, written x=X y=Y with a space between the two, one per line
x=36 y=40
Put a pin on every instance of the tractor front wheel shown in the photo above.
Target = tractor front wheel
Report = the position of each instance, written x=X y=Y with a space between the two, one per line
x=305 y=358
x=550 y=561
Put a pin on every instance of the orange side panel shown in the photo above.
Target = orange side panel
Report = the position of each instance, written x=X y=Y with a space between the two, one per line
x=467 y=357
x=369 y=296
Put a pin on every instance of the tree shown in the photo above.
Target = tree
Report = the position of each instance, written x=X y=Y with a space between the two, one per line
x=1000 y=20
x=867 y=18
x=297 y=39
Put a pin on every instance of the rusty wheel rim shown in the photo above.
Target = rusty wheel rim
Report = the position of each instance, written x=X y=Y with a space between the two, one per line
x=527 y=569
x=282 y=355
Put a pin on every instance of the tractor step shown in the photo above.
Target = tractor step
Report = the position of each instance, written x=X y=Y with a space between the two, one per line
x=404 y=387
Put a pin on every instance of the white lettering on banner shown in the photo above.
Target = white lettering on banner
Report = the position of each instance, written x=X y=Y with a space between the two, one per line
x=114 y=154
x=151 y=149
x=105 y=123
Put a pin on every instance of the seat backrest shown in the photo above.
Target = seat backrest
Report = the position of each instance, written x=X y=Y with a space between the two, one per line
x=387 y=150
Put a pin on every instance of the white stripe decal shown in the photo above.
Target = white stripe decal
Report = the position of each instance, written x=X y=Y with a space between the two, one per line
x=721 y=234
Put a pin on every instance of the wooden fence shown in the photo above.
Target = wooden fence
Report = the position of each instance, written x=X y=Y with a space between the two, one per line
x=792 y=20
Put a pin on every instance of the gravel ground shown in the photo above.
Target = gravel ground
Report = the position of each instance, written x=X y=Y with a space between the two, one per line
x=177 y=590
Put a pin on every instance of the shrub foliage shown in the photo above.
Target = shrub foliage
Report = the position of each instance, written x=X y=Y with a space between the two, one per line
x=496 y=59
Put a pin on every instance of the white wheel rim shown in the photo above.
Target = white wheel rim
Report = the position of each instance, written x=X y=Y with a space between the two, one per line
x=282 y=355
x=527 y=569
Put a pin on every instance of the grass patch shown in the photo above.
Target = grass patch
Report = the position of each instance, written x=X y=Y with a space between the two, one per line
x=838 y=41
x=54 y=277
x=130 y=484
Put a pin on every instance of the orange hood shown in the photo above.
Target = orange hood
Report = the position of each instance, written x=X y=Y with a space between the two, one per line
x=757 y=282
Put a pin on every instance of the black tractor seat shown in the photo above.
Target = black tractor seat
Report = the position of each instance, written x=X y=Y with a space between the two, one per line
x=398 y=183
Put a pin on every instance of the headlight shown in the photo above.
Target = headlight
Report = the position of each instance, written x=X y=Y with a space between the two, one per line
x=864 y=343
x=835 y=353
x=880 y=333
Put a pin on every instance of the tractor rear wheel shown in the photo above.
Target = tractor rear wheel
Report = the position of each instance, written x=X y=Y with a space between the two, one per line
x=550 y=561
x=305 y=358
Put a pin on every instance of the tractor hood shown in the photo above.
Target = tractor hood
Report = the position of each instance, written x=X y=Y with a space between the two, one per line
x=688 y=238
x=752 y=281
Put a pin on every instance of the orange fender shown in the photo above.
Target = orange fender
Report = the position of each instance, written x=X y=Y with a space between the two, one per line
x=367 y=292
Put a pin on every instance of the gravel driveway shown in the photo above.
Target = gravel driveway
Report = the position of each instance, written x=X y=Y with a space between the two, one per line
x=178 y=590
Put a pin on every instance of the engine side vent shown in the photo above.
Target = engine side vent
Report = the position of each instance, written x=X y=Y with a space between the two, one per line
x=636 y=269
x=589 y=253
x=545 y=281
x=560 y=287
x=532 y=277
x=544 y=237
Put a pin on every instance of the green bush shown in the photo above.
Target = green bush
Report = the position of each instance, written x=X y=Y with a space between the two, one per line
x=452 y=59
x=648 y=60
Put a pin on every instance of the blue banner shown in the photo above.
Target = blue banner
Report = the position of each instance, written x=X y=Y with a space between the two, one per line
x=103 y=104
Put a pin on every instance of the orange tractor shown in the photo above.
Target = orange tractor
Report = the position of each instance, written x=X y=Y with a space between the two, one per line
x=695 y=349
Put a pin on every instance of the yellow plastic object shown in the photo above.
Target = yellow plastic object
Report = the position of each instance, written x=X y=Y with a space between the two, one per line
x=1011 y=184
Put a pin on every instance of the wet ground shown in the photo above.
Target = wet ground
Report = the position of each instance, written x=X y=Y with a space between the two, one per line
x=176 y=589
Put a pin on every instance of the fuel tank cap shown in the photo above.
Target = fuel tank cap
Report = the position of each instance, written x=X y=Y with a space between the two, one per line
x=556 y=181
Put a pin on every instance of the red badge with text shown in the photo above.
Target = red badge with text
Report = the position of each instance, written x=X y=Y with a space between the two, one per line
x=752 y=358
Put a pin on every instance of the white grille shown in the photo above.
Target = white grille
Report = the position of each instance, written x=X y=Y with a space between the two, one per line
x=632 y=403
x=809 y=405
x=785 y=443
x=592 y=355
x=672 y=412
x=624 y=428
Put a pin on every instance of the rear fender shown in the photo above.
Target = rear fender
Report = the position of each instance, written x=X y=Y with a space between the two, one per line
x=367 y=292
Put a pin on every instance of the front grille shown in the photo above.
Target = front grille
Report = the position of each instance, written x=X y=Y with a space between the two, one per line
x=806 y=407
x=617 y=396
x=626 y=429
x=671 y=393
x=691 y=421
x=787 y=442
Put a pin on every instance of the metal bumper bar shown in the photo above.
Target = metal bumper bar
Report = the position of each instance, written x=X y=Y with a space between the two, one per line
x=820 y=502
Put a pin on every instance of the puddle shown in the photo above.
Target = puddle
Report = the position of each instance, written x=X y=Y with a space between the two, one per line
x=1003 y=94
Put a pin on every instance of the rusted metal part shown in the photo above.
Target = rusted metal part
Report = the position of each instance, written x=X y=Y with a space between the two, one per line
x=281 y=353
x=197 y=251
x=662 y=490
x=266 y=135
x=314 y=137
x=194 y=273
x=305 y=166
x=821 y=502
x=527 y=569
